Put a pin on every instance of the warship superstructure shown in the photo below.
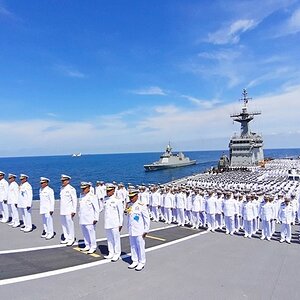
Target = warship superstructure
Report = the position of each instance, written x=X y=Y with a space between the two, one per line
x=169 y=160
x=246 y=149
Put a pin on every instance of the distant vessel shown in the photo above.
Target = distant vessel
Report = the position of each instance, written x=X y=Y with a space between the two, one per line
x=169 y=160
x=246 y=149
x=76 y=154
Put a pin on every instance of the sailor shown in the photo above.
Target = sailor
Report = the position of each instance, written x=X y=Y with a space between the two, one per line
x=68 y=208
x=138 y=227
x=219 y=210
x=230 y=210
x=100 y=193
x=113 y=222
x=189 y=203
x=210 y=209
x=248 y=214
x=47 y=201
x=266 y=213
x=3 y=198
x=169 y=200
x=25 y=203
x=286 y=217
x=88 y=217
x=122 y=193
x=196 y=206
x=295 y=204
x=203 y=218
x=144 y=195
x=12 y=200
x=155 y=203
x=181 y=200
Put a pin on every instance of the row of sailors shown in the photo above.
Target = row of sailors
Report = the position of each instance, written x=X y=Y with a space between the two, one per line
x=89 y=207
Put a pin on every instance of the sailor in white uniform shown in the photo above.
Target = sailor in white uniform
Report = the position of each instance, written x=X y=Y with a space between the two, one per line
x=47 y=201
x=68 y=208
x=138 y=227
x=169 y=200
x=266 y=213
x=113 y=222
x=25 y=203
x=88 y=217
x=12 y=200
x=210 y=209
x=286 y=217
x=100 y=191
x=3 y=198
x=230 y=209
x=181 y=200
x=155 y=203
x=248 y=214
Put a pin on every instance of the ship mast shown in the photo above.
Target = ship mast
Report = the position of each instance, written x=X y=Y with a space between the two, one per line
x=244 y=117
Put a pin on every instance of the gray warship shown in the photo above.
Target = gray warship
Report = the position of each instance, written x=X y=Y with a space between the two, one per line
x=246 y=149
x=169 y=160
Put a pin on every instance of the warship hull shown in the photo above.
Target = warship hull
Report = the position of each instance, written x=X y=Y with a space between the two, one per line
x=157 y=167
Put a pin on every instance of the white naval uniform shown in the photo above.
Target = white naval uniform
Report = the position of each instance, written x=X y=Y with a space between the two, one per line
x=12 y=201
x=138 y=224
x=88 y=215
x=286 y=216
x=113 y=220
x=267 y=213
x=248 y=214
x=210 y=209
x=219 y=212
x=25 y=203
x=47 y=201
x=181 y=200
x=169 y=200
x=100 y=193
x=196 y=206
x=230 y=210
x=68 y=205
x=3 y=198
x=155 y=203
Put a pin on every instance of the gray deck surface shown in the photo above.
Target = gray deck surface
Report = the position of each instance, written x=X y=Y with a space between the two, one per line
x=207 y=266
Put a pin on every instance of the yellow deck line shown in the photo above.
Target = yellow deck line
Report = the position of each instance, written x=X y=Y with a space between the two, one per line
x=155 y=238
x=95 y=255
x=85 y=252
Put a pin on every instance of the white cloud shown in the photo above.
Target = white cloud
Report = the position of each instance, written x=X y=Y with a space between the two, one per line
x=230 y=33
x=152 y=90
x=69 y=71
x=206 y=104
x=292 y=25
x=5 y=12
x=188 y=128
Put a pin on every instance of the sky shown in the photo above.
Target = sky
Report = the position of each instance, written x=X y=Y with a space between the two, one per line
x=108 y=76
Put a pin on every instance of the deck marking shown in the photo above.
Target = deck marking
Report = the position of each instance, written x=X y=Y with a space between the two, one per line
x=155 y=238
x=75 y=244
x=89 y=265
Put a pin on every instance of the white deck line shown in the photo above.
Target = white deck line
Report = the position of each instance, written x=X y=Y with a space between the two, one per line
x=90 y=265
x=75 y=244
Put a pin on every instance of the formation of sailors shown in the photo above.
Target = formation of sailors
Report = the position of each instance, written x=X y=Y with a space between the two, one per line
x=17 y=199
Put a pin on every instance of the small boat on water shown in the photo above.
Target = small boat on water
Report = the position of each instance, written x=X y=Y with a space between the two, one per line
x=169 y=160
x=76 y=154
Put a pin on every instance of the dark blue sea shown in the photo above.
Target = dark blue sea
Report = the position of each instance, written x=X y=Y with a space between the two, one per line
x=126 y=168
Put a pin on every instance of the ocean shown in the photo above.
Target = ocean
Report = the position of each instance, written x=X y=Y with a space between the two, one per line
x=126 y=168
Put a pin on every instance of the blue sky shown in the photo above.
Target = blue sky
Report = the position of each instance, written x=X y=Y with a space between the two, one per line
x=128 y=76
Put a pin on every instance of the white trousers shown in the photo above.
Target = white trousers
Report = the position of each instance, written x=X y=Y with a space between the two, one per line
x=14 y=213
x=137 y=248
x=229 y=223
x=286 y=232
x=180 y=216
x=48 y=223
x=196 y=218
x=219 y=221
x=248 y=227
x=26 y=217
x=155 y=213
x=67 y=225
x=113 y=241
x=266 y=229
x=4 y=211
x=202 y=218
x=211 y=221
x=89 y=235
x=168 y=214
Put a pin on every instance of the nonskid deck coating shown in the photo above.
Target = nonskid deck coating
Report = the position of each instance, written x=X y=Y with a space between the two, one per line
x=33 y=262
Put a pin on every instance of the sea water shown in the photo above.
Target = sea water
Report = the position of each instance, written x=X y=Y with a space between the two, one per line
x=126 y=168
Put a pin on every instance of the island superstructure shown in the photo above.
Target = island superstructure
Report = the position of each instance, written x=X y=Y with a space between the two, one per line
x=246 y=149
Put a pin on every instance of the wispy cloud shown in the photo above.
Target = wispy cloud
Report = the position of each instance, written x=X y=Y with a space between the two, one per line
x=4 y=12
x=206 y=104
x=152 y=90
x=53 y=115
x=291 y=25
x=230 y=33
x=69 y=71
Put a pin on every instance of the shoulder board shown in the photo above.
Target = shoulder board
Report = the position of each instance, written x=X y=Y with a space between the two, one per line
x=140 y=203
